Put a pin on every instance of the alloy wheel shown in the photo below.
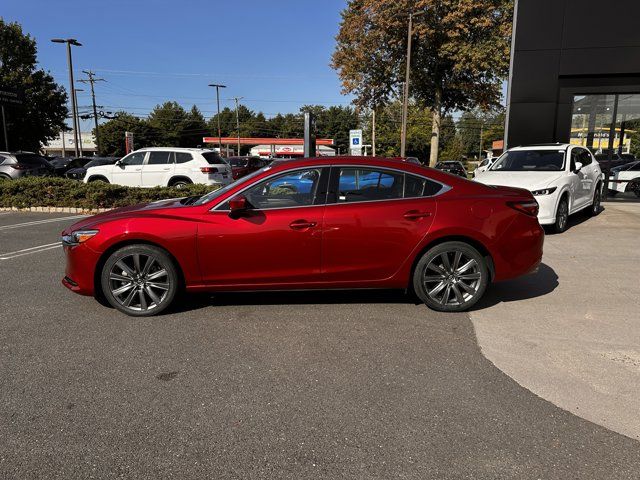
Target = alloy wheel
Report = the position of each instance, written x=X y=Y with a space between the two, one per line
x=452 y=278
x=139 y=282
x=596 y=202
x=563 y=215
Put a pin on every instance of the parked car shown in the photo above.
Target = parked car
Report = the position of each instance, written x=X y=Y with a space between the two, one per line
x=484 y=165
x=625 y=178
x=61 y=165
x=564 y=179
x=606 y=163
x=159 y=166
x=453 y=167
x=406 y=226
x=78 y=173
x=242 y=166
x=14 y=165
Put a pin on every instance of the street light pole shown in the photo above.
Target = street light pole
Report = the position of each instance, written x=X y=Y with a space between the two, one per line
x=69 y=42
x=237 y=99
x=75 y=94
x=218 y=87
x=405 y=96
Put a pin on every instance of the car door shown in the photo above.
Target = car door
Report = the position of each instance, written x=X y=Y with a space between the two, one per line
x=277 y=241
x=579 y=183
x=592 y=172
x=158 y=168
x=375 y=218
x=128 y=171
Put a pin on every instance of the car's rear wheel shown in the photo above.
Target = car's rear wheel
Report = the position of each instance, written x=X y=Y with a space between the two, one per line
x=181 y=183
x=451 y=277
x=139 y=280
x=634 y=186
x=98 y=179
x=562 y=215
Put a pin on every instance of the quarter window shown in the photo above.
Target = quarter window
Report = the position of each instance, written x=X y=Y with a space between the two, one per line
x=160 y=158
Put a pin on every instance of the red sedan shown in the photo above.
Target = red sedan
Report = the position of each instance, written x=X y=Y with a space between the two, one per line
x=329 y=223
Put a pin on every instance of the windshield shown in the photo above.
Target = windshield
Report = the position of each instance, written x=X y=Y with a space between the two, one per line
x=213 y=158
x=238 y=161
x=530 y=160
x=221 y=191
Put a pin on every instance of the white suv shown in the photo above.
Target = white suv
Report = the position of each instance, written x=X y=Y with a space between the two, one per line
x=159 y=166
x=563 y=178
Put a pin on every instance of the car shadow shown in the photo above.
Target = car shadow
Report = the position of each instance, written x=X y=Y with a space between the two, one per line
x=574 y=220
x=538 y=284
x=192 y=301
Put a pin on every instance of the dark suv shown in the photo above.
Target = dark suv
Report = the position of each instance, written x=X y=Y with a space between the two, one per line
x=23 y=164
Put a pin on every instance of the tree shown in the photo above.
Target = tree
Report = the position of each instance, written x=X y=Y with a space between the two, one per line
x=459 y=56
x=43 y=113
x=193 y=128
x=112 y=134
x=167 y=121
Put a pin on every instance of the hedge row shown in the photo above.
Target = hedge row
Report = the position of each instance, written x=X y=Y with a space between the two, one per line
x=62 y=192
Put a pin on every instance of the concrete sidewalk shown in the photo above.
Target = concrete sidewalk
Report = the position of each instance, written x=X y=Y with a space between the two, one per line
x=571 y=332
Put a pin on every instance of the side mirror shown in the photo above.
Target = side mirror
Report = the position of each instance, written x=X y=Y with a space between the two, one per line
x=578 y=167
x=238 y=204
x=119 y=163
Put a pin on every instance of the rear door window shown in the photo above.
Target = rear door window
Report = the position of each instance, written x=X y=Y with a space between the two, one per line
x=364 y=184
x=160 y=158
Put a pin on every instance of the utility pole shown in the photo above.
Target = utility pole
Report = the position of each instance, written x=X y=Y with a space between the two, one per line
x=218 y=87
x=91 y=80
x=237 y=99
x=373 y=132
x=76 y=123
x=75 y=94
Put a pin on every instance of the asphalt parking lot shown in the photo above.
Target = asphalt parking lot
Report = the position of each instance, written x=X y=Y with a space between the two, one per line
x=362 y=385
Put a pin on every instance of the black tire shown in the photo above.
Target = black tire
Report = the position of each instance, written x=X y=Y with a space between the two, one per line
x=97 y=179
x=634 y=186
x=455 y=269
x=612 y=193
x=562 y=215
x=180 y=183
x=4 y=177
x=595 y=203
x=153 y=286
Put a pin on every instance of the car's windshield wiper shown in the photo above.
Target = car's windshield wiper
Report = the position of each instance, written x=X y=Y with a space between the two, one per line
x=190 y=200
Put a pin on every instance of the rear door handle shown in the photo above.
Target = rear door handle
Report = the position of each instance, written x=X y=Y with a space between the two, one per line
x=301 y=225
x=416 y=215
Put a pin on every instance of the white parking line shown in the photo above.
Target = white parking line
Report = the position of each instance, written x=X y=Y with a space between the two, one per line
x=40 y=222
x=28 y=251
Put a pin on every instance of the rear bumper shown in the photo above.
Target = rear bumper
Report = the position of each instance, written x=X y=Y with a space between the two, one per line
x=519 y=250
x=80 y=269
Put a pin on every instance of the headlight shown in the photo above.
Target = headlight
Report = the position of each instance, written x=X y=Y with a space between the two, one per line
x=544 y=191
x=78 y=237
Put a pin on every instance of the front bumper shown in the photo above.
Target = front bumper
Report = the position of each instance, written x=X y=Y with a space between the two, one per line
x=80 y=269
x=547 y=211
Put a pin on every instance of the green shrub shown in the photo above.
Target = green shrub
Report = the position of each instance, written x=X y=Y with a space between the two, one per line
x=62 y=192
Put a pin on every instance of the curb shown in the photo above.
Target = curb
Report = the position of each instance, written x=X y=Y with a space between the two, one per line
x=89 y=211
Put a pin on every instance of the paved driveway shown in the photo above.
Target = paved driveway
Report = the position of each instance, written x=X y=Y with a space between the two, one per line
x=324 y=385
x=571 y=333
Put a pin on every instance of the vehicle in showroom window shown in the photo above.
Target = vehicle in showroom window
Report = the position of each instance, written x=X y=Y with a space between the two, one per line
x=162 y=167
x=625 y=179
x=563 y=178
x=323 y=223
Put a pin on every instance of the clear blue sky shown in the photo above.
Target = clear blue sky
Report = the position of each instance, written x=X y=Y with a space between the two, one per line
x=275 y=53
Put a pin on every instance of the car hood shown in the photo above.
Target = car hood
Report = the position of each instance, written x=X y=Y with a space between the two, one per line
x=124 y=212
x=528 y=180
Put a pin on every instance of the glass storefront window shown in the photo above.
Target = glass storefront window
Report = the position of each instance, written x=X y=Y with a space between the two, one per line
x=609 y=126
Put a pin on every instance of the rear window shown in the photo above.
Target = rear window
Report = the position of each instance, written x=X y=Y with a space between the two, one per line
x=213 y=158
x=30 y=159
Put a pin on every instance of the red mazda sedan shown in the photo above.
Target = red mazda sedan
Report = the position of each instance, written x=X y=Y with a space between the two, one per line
x=338 y=223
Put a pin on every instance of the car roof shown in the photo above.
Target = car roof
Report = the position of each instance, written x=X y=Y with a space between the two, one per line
x=544 y=146
x=175 y=149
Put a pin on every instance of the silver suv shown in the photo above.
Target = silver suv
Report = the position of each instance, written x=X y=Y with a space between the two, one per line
x=23 y=164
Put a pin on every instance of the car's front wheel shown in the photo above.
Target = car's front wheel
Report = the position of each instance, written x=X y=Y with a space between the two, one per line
x=451 y=277
x=140 y=280
x=562 y=215
x=597 y=199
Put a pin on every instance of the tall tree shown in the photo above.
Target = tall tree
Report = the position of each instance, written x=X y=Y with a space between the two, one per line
x=167 y=121
x=112 y=134
x=193 y=128
x=459 y=55
x=42 y=115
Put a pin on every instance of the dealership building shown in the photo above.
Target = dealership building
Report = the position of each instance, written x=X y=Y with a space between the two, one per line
x=575 y=75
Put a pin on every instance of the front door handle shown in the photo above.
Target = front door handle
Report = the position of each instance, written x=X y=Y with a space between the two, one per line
x=416 y=215
x=301 y=225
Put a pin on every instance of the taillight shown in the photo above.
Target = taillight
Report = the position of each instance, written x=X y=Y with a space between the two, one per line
x=20 y=166
x=208 y=169
x=528 y=207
